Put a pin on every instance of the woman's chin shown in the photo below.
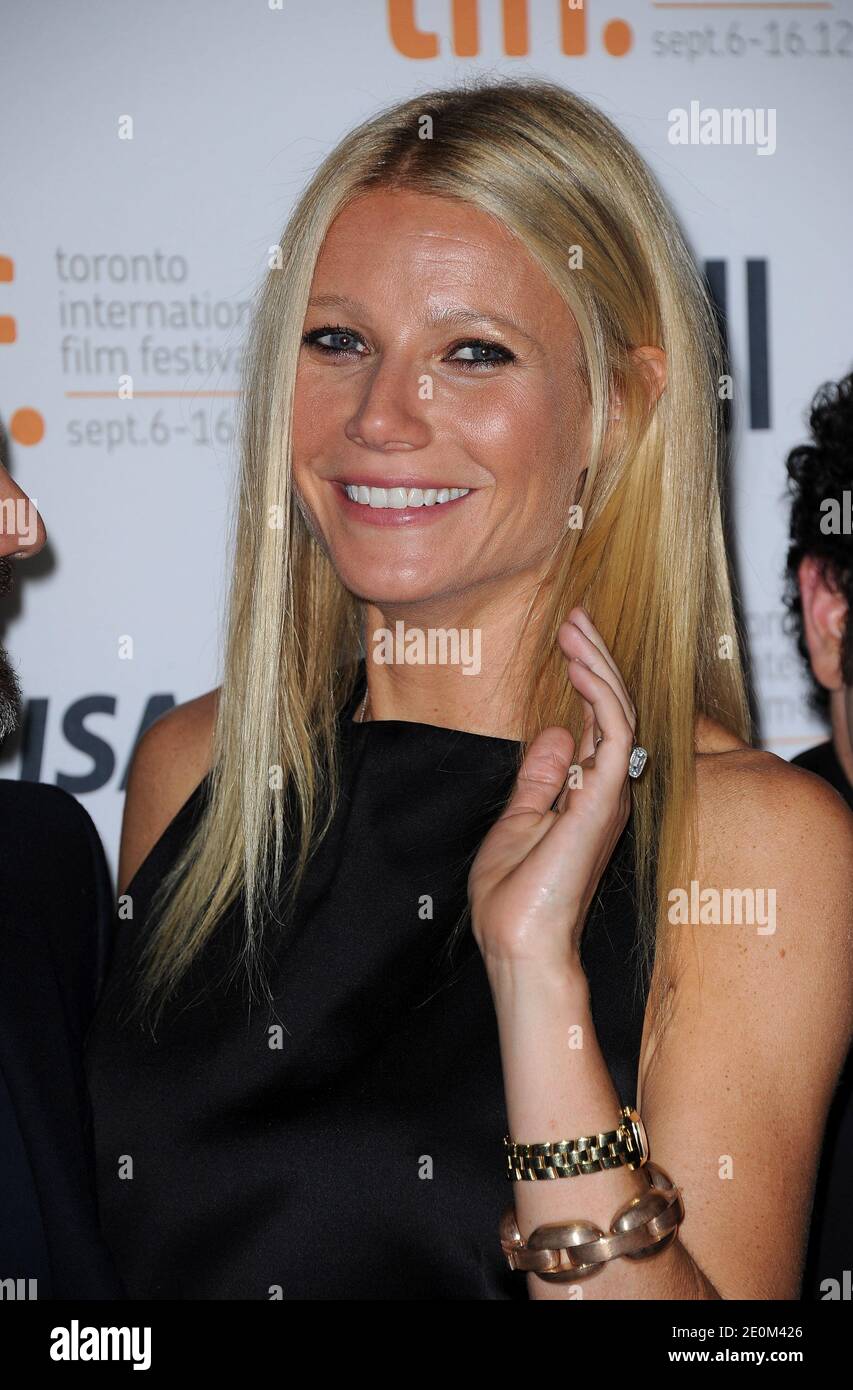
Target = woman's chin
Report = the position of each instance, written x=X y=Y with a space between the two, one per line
x=385 y=592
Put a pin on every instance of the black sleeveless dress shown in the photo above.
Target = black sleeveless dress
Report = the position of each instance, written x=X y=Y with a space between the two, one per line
x=350 y=1144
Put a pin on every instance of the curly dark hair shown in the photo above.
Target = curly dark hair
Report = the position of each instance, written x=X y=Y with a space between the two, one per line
x=818 y=471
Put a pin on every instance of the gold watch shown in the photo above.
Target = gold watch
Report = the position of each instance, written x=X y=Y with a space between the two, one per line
x=626 y=1146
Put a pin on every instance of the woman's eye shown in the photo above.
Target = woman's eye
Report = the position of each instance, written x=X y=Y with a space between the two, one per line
x=480 y=351
x=339 y=341
x=343 y=340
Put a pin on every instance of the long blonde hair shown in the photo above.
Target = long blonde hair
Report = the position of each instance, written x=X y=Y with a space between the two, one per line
x=648 y=563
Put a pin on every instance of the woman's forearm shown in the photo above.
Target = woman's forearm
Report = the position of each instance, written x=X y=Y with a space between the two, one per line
x=557 y=1086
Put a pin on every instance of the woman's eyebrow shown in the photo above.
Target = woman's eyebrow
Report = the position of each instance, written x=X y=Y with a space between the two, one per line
x=439 y=318
x=460 y=317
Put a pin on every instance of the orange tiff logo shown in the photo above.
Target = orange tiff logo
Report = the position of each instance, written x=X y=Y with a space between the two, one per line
x=413 y=42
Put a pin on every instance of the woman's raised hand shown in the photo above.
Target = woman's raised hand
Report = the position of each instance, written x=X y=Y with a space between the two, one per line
x=537 y=870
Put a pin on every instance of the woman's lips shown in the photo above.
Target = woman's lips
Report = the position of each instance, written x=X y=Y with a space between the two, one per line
x=397 y=516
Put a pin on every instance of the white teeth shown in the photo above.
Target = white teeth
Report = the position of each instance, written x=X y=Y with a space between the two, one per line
x=401 y=496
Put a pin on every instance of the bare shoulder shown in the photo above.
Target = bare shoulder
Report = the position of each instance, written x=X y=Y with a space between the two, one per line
x=754 y=804
x=776 y=834
x=759 y=1016
x=774 y=874
x=170 y=760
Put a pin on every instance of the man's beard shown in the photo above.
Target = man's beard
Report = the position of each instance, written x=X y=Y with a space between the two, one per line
x=10 y=690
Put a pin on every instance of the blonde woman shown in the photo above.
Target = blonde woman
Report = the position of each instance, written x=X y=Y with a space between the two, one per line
x=395 y=919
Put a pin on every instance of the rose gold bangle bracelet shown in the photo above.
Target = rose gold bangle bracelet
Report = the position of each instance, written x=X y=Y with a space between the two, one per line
x=567 y=1250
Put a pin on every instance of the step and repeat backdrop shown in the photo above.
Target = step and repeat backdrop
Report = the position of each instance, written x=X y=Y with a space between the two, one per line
x=152 y=153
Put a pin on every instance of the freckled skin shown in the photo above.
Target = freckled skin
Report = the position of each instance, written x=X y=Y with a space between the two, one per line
x=518 y=431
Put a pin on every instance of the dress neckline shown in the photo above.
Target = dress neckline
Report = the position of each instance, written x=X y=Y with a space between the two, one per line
x=397 y=727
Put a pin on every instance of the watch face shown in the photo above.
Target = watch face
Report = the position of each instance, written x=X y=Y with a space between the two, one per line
x=639 y=1138
x=643 y=1137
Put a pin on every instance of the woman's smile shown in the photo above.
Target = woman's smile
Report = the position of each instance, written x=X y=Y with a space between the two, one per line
x=399 y=505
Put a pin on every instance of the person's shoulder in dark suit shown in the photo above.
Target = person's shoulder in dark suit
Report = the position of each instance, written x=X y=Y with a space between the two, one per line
x=831 y=1235
x=824 y=760
x=56 y=926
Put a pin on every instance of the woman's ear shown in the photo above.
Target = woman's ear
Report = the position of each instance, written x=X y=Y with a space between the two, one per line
x=652 y=364
x=652 y=361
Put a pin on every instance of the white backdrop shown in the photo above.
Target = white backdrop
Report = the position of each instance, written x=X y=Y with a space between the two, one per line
x=233 y=104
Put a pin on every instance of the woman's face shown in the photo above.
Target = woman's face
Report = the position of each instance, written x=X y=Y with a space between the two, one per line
x=436 y=355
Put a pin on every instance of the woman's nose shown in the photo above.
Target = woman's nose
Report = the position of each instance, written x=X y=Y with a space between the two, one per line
x=22 y=531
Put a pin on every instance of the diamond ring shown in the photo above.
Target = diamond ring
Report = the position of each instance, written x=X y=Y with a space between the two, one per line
x=637 y=761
